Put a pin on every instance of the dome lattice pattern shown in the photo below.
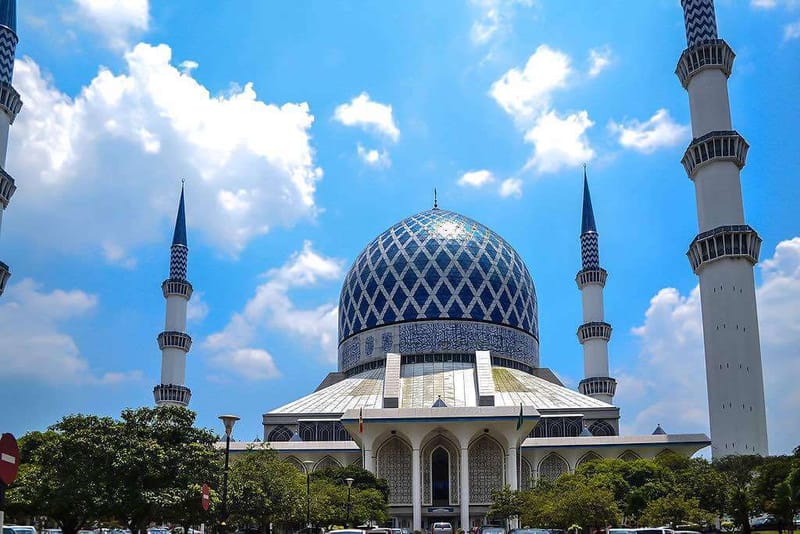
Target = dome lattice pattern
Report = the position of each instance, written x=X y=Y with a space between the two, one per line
x=437 y=265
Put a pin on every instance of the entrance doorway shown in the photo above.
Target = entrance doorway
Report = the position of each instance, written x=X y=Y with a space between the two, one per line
x=440 y=477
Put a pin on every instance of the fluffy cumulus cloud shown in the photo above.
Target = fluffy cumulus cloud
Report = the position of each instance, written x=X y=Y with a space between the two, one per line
x=35 y=346
x=559 y=139
x=659 y=131
x=272 y=307
x=476 y=179
x=121 y=145
x=365 y=113
x=118 y=21
x=791 y=31
x=668 y=385
x=493 y=18
x=373 y=157
x=599 y=60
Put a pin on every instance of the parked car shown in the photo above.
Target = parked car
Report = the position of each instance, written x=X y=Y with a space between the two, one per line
x=20 y=529
x=442 y=528
x=529 y=531
x=491 y=529
x=764 y=522
x=648 y=530
x=347 y=531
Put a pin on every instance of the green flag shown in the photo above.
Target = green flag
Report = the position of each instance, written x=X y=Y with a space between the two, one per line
x=519 y=419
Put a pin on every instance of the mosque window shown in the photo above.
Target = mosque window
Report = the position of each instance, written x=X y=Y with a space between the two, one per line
x=629 y=456
x=394 y=465
x=486 y=462
x=588 y=457
x=602 y=428
x=552 y=467
x=279 y=433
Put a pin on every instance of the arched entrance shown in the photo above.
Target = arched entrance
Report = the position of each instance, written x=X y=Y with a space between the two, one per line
x=440 y=477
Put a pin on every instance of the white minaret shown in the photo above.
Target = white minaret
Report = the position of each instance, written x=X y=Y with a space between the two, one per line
x=10 y=104
x=726 y=249
x=594 y=333
x=174 y=342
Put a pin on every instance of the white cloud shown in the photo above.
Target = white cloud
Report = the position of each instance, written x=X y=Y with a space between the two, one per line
x=373 y=157
x=560 y=142
x=476 y=179
x=494 y=17
x=35 y=347
x=272 y=307
x=659 y=131
x=791 y=31
x=599 y=60
x=367 y=114
x=197 y=309
x=511 y=187
x=118 y=21
x=672 y=333
x=116 y=255
x=252 y=364
x=527 y=92
x=132 y=136
x=763 y=4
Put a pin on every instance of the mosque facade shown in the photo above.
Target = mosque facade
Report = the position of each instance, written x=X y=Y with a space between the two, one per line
x=440 y=387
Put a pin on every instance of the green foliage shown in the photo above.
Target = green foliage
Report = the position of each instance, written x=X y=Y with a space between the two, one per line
x=675 y=510
x=506 y=503
x=571 y=500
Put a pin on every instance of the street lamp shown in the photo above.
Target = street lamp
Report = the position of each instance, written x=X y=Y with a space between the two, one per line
x=349 y=485
x=228 y=421
x=309 y=464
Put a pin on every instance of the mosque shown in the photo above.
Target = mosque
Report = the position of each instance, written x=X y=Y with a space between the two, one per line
x=440 y=388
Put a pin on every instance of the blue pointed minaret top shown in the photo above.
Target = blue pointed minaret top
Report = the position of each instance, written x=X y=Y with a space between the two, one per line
x=8 y=14
x=179 y=238
x=587 y=222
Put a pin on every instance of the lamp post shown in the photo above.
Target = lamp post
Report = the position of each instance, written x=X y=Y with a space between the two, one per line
x=349 y=485
x=228 y=421
x=308 y=464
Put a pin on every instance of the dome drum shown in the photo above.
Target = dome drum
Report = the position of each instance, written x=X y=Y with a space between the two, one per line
x=438 y=336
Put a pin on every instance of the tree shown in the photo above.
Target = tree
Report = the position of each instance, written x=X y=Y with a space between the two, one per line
x=265 y=489
x=506 y=504
x=675 y=510
x=67 y=474
x=161 y=461
x=739 y=473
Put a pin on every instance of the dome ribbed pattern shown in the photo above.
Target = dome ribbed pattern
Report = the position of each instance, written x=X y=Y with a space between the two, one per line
x=437 y=265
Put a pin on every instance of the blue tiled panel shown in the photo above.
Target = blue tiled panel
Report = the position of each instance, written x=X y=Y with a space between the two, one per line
x=437 y=265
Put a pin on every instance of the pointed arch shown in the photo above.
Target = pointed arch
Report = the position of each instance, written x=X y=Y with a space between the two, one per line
x=280 y=433
x=296 y=463
x=326 y=463
x=449 y=445
x=526 y=474
x=358 y=462
x=665 y=452
x=394 y=464
x=588 y=457
x=629 y=456
x=486 y=469
x=552 y=467
x=601 y=428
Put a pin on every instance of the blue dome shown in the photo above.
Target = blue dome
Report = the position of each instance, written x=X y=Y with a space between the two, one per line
x=437 y=265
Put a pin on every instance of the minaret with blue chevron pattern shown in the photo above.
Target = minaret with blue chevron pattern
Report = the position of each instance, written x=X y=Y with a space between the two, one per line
x=174 y=342
x=725 y=251
x=594 y=333
x=10 y=104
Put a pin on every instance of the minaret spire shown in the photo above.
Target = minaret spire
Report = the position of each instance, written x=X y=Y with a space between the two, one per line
x=594 y=333
x=174 y=342
x=725 y=251
x=435 y=200
x=10 y=105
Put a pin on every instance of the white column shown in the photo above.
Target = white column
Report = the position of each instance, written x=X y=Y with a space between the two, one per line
x=369 y=463
x=464 y=488
x=416 y=488
x=511 y=471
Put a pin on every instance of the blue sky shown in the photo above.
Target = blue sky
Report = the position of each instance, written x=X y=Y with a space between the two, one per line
x=305 y=129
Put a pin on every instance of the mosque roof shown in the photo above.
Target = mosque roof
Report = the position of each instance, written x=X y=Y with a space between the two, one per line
x=454 y=383
x=437 y=264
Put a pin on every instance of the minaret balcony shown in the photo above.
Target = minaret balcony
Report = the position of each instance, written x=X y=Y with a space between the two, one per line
x=594 y=330
x=174 y=340
x=598 y=385
x=176 y=286
x=5 y=274
x=7 y=188
x=715 y=146
x=172 y=394
x=737 y=241
x=10 y=101
x=713 y=54
x=591 y=276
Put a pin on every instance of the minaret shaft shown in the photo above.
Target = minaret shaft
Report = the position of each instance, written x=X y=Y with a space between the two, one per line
x=174 y=342
x=594 y=333
x=726 y=249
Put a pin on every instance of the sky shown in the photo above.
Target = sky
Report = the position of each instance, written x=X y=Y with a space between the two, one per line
x=304 y=129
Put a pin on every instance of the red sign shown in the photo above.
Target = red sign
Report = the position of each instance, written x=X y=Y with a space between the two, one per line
x=206 y=496
x=9 y=459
